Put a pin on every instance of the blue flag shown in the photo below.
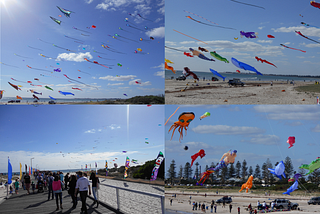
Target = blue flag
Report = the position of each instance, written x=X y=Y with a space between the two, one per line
x=9 y=172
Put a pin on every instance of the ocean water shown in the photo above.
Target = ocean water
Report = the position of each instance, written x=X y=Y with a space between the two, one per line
x=242 y=76
x=28 y=100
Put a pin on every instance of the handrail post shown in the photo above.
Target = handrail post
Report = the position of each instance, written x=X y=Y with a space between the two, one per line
x=118 y=200
x=162 y=204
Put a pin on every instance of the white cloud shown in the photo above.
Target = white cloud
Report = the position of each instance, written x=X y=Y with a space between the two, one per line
x=114 y=126
x=119 y=78
x=160 y=73
x=91 y=131
x=157 y=32
x=170 y=43
x=295 y=112
x=260 y=28
x=116 y=84
x=312 y=31
x=226 y=130
x=133 y=82
x=88 y=1
x=159 y=66
x=265 y=41
x=264 y=140
x=316 y=129
x=76 y=57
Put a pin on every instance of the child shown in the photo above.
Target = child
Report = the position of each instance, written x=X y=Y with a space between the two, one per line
x=33 y=186
x=16 y=185
x=238 y=210
x=11 y=189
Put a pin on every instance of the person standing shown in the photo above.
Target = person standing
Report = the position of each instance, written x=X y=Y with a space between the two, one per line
x=95 y=183
x=66 y=180
x=57 y=189
x=215 y=208
x=27 y=181
x=238 y=210
x=212 y=206
x=50 y=181
x=230 y=207
x=83 y=186
x=16 y=186
x=72 y=189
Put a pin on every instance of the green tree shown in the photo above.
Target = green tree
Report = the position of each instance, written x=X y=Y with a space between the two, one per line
x=180 y=171
x=172 y=170
x=250 y=171
x=257 y=172
x=238 y=169
x=244 y=169
x=187 y=172
x=314 y=177
x=232 y=171
x=223 y=174
x=145 y=170
x=288 y=167
x=212 y=174
x=264 y=172
x=196 y=173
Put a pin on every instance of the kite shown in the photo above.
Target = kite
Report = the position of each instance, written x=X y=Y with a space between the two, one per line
x=166 y=66
x=290 y=180
x=235 y=38
x=18 y=97
x=52 y=98
x=22 y=56
x=202 y=49
x=309 y=25
x=151 y=38
x=78 y=81
x=118 y=64
x=187 y=54
x=207 y=114
x=194 y=157
x=35 y=97
x=125 y=30
x=248 y=34
x=80 y=30
x=95 y=62
x=312 y=166
x=35 y=48
x=21 y=81
x=126 y=167
x=73 y=38
x=1 y=93
x=56 y=20
x=145 y=28
x=189 y=36
x=168 y=61
x=270 y=36
x=201 y=17
x=244 y=66
x=315 y=4
x=137 y=82
x=125 y=37
x=124 y=151
x=46 y=56
x=248 y=4
x=9 y=65
x=125 y=95
x=247 y=185
x=144 y=18
x=200 y=55
x=238 y=71
x=63 y=48
x=57 y=70
x=294 y=185
x=93 y=26
x=218 y=57
x=65 y=12
x=263 y=60
x=189 y=17
x=47 y=87
x=187 y=73
x=15 y=86
x=223 y=163
x=291 y=141
x=105 y=58
x=279 y=170
x=156 y=167
x=66 y=93
x=76 y=88
x=298 y=32
x=32 y=91
x=292 y=48
x=184 y=120
x=186 y=148
x=216 y=73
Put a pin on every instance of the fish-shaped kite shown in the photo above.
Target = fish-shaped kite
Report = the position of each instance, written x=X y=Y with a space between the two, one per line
x=279 y=170
x=291 y=141
x=201 y=153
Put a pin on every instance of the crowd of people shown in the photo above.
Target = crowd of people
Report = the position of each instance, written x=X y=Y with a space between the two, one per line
x=55 y=183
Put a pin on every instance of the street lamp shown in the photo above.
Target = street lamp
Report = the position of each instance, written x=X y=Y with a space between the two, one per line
x=31 y=164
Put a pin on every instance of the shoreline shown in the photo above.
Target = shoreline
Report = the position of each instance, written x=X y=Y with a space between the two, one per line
x=253 y=92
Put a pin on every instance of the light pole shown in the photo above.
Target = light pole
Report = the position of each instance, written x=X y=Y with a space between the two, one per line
x=31 y=164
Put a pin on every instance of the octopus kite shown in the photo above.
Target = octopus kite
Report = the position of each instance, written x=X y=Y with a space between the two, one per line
x=184 y=120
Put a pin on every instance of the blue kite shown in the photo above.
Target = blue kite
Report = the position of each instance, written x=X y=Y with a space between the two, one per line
x=216 y=73
x=294 y=185
x=279 y=170
x=66 y=93
x=244 y=66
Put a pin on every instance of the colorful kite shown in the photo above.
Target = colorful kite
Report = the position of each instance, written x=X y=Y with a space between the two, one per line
x=263 y=60
x=107 y=168
x=279 y=170
x=194 y=157
x=126 y=167
x=298 y=32
x=18 y=97
x=168 y=61
x=56 y=20
x=32 y=91
x=80 y=30
x=125 y=37
x=144 y=18
x=248 y=4
x=200 y=55
x=65 y=12
x=291 y=141
x=35 y=97
x=47 y=87
x=189 y=17
x=189 y=36
x=247 y=185
x=305 y=24
x=187 y=54
x=292 y=48
x=238 y=71
x=207 y=114
x=166 y=66
x=52 y=98
x=294 y=185
x=184 y=121
x=187 y=73
x=95 y=62
x=315 y=4
x=156 y=167
x=312 y=166
x=76 y=88
x=216 y=73
x=244 y=66
x=218 y=57
x=1 y=93
x=202 y=49
x=118 y=64
x=66 y=93
x=270 y=36
x=248 y=34
x=15 y=86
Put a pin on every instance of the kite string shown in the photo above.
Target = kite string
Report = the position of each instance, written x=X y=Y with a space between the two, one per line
x=190 y=37
x=172 y=115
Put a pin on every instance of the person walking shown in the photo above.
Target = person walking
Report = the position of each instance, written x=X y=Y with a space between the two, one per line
x=57 y=189
x=212 y=206
x=27 y=181
x=230 y=207
x=83 y=186
x=238 y=210
x=95 y=187
x=16 y=186
x=50 y=181
x=215 y=208
x=72 y=189
x=66 y=180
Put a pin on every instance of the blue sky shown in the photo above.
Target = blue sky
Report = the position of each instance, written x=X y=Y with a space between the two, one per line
x=67 y=136
x=279 y=18
x=25 y=22
x=257 y=132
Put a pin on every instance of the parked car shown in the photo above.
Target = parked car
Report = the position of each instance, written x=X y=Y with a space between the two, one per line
x=18 y=101
x=182 y=77
x=235 y=82
x=224 y=199
x=11 y=101
x=314 y=200
x=52 y=102
x=281 y=203
x=214 y=79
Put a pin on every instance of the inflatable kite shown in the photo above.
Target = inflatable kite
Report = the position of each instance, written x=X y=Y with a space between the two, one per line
x=1 y=93
x=126 y=167
x=166 y=66
x=247 y=185
x=187 y=54
x=244 y=66
x=18 y=97
x=216 y=73
x=263 y=60
x=15 y=86
x=156 y=167
x=292 y=48
x=305 y=24
x=186 y=148
x=270 y=36
x=202 y=49
x=200 y=55
x=291 y=141
x=294 y=185
x=35 y=97
x=312 y=166
x=55 y=20
x=184 y=120
x=52 y=98
x=64 y=11
x=194 y=157
x=315 y=4
x=248 y=34
x=66 y=93
x=298 y=32
x=218 y=57
x=207 y=114
x=279 y=170
x=187 y=73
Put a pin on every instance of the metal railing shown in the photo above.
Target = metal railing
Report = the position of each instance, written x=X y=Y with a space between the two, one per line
x=131 y=201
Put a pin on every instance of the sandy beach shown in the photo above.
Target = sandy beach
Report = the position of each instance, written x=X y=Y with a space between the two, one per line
x=180 y=203
x=253 y=92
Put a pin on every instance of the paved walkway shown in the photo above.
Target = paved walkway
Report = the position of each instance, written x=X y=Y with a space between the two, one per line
x=38 y=204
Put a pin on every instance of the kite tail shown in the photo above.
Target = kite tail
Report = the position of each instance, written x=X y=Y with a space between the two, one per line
x=175 y=126
x=172 y=115
x=204 y=176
